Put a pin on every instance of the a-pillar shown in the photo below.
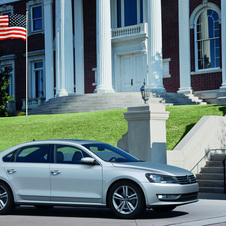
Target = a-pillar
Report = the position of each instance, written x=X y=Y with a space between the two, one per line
x=221 y=100
x=184 y=47
x=146 y=137
x=104 y=63
x=79 y=47
x=49 y=49
x=155 y=69
x=64 y=49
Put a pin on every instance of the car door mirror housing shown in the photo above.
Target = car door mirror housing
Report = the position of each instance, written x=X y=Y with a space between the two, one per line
x=88 y=161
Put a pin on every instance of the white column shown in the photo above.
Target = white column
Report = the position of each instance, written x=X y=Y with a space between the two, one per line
x=79 y=47
x=64 y=49
x=104 y=63
x=184 y=47
x=221 y=100
x=155 y=70
x=223 y=43
x=49 y=77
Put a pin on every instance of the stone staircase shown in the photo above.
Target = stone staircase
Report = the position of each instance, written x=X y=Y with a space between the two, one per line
x=107 y=101
x=182 y=99
x=211 y=177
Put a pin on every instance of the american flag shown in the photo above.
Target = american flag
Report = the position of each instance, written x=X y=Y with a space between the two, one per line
x=12 y=26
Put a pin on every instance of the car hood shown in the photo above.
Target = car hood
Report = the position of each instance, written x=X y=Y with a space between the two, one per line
x=151 y=167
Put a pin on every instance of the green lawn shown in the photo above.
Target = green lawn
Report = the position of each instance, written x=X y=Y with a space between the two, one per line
x=106 y=126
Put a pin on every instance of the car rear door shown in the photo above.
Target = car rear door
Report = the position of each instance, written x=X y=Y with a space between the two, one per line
x=28 y=171
x=72 y=181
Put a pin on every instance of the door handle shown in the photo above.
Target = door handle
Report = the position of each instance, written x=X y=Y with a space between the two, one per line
x=131 y=82
x=11 y=171
x=55 y=172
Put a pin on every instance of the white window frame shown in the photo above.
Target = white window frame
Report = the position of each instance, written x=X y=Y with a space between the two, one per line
x=5 y=9
x=6 y=63
x=34 y=70
x=30 y=5
x=196 y=42
x=193 y=21
x=34 y=57
x=115 y=13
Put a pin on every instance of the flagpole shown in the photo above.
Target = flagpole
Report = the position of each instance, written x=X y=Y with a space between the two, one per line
x=26 y=63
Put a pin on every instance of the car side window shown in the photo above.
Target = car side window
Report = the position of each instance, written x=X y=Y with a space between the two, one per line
x=69 y=155
x=30 y=154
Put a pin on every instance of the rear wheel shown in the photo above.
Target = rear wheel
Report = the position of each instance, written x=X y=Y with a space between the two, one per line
x=6 y=199
x=126 y=200
x=164 y=209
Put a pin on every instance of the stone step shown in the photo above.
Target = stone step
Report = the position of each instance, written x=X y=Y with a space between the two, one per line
x=218 y=157
x=214 y=163
x=211 y=189
x=210 y=176
x=211 y=183
x=211 y=170
x=102 y=102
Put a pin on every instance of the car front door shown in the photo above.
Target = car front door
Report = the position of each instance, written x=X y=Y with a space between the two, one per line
x=72 y=181
x=28 y=171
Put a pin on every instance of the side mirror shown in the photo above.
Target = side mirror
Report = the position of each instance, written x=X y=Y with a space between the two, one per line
x=88 y=161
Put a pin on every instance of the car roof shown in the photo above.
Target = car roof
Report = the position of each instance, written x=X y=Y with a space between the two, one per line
x=50 y=141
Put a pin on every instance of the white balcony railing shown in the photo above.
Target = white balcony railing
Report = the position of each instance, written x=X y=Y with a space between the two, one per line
x=130 y=30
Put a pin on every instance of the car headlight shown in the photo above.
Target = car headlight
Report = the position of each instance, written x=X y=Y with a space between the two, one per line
x=163 y=179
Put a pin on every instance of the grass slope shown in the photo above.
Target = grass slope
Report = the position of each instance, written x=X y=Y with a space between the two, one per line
x=106 y=126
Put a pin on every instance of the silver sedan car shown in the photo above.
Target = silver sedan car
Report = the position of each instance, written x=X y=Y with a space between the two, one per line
x=51 y=173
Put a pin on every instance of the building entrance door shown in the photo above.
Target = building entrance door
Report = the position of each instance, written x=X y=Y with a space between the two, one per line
x=131 y=72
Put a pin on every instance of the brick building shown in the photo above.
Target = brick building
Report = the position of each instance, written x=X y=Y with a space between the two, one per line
x=86 y=46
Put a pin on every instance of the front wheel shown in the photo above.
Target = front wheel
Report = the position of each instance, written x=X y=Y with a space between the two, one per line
x=6 y=199
x=126 y=200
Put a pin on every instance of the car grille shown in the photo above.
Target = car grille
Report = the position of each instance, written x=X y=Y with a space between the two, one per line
x=189 y=179
x=188 y=197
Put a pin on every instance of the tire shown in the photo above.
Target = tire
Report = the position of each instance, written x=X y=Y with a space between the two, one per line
x=44 y=207
x=164 y=209
x=126 y=200
x=6 y=199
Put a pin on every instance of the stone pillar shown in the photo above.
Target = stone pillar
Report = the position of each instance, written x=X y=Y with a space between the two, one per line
x=221 y=100
x=146 y=137
x=104 y=67
x=184 y=47
x=64 y=49
x=49 y=49
x=79 y=47
x=155 y=70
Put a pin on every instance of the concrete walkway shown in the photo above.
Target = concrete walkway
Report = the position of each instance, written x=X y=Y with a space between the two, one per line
x=210 y=210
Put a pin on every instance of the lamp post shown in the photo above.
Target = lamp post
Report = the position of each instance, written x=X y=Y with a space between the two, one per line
x=145 y=92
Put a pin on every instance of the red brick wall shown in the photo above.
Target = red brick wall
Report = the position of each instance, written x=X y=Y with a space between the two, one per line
x=18 y=47
x=170 y=38
x=89 y=17
x=171 y=49
x=206 y=81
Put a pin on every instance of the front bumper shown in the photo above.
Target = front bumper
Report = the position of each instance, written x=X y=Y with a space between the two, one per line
x=170 y=194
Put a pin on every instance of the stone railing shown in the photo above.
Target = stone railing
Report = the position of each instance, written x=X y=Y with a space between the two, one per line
x=32 y=103
x=130 y=30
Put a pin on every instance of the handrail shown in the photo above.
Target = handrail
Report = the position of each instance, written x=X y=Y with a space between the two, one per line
x=224 y=176
x=206 y=154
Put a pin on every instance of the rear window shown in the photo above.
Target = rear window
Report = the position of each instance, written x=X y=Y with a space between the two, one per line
x=30 y=154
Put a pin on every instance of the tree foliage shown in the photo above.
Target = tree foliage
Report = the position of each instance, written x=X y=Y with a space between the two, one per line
x=4 y=97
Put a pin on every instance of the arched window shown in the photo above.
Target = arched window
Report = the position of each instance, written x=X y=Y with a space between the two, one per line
x=207 y=41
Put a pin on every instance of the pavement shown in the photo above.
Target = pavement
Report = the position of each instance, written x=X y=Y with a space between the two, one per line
x=209 y=210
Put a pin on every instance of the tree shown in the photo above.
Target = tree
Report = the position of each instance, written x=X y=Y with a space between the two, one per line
x=4 y=97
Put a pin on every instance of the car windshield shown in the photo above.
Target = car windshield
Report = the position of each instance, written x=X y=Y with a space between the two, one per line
x=110 y=153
